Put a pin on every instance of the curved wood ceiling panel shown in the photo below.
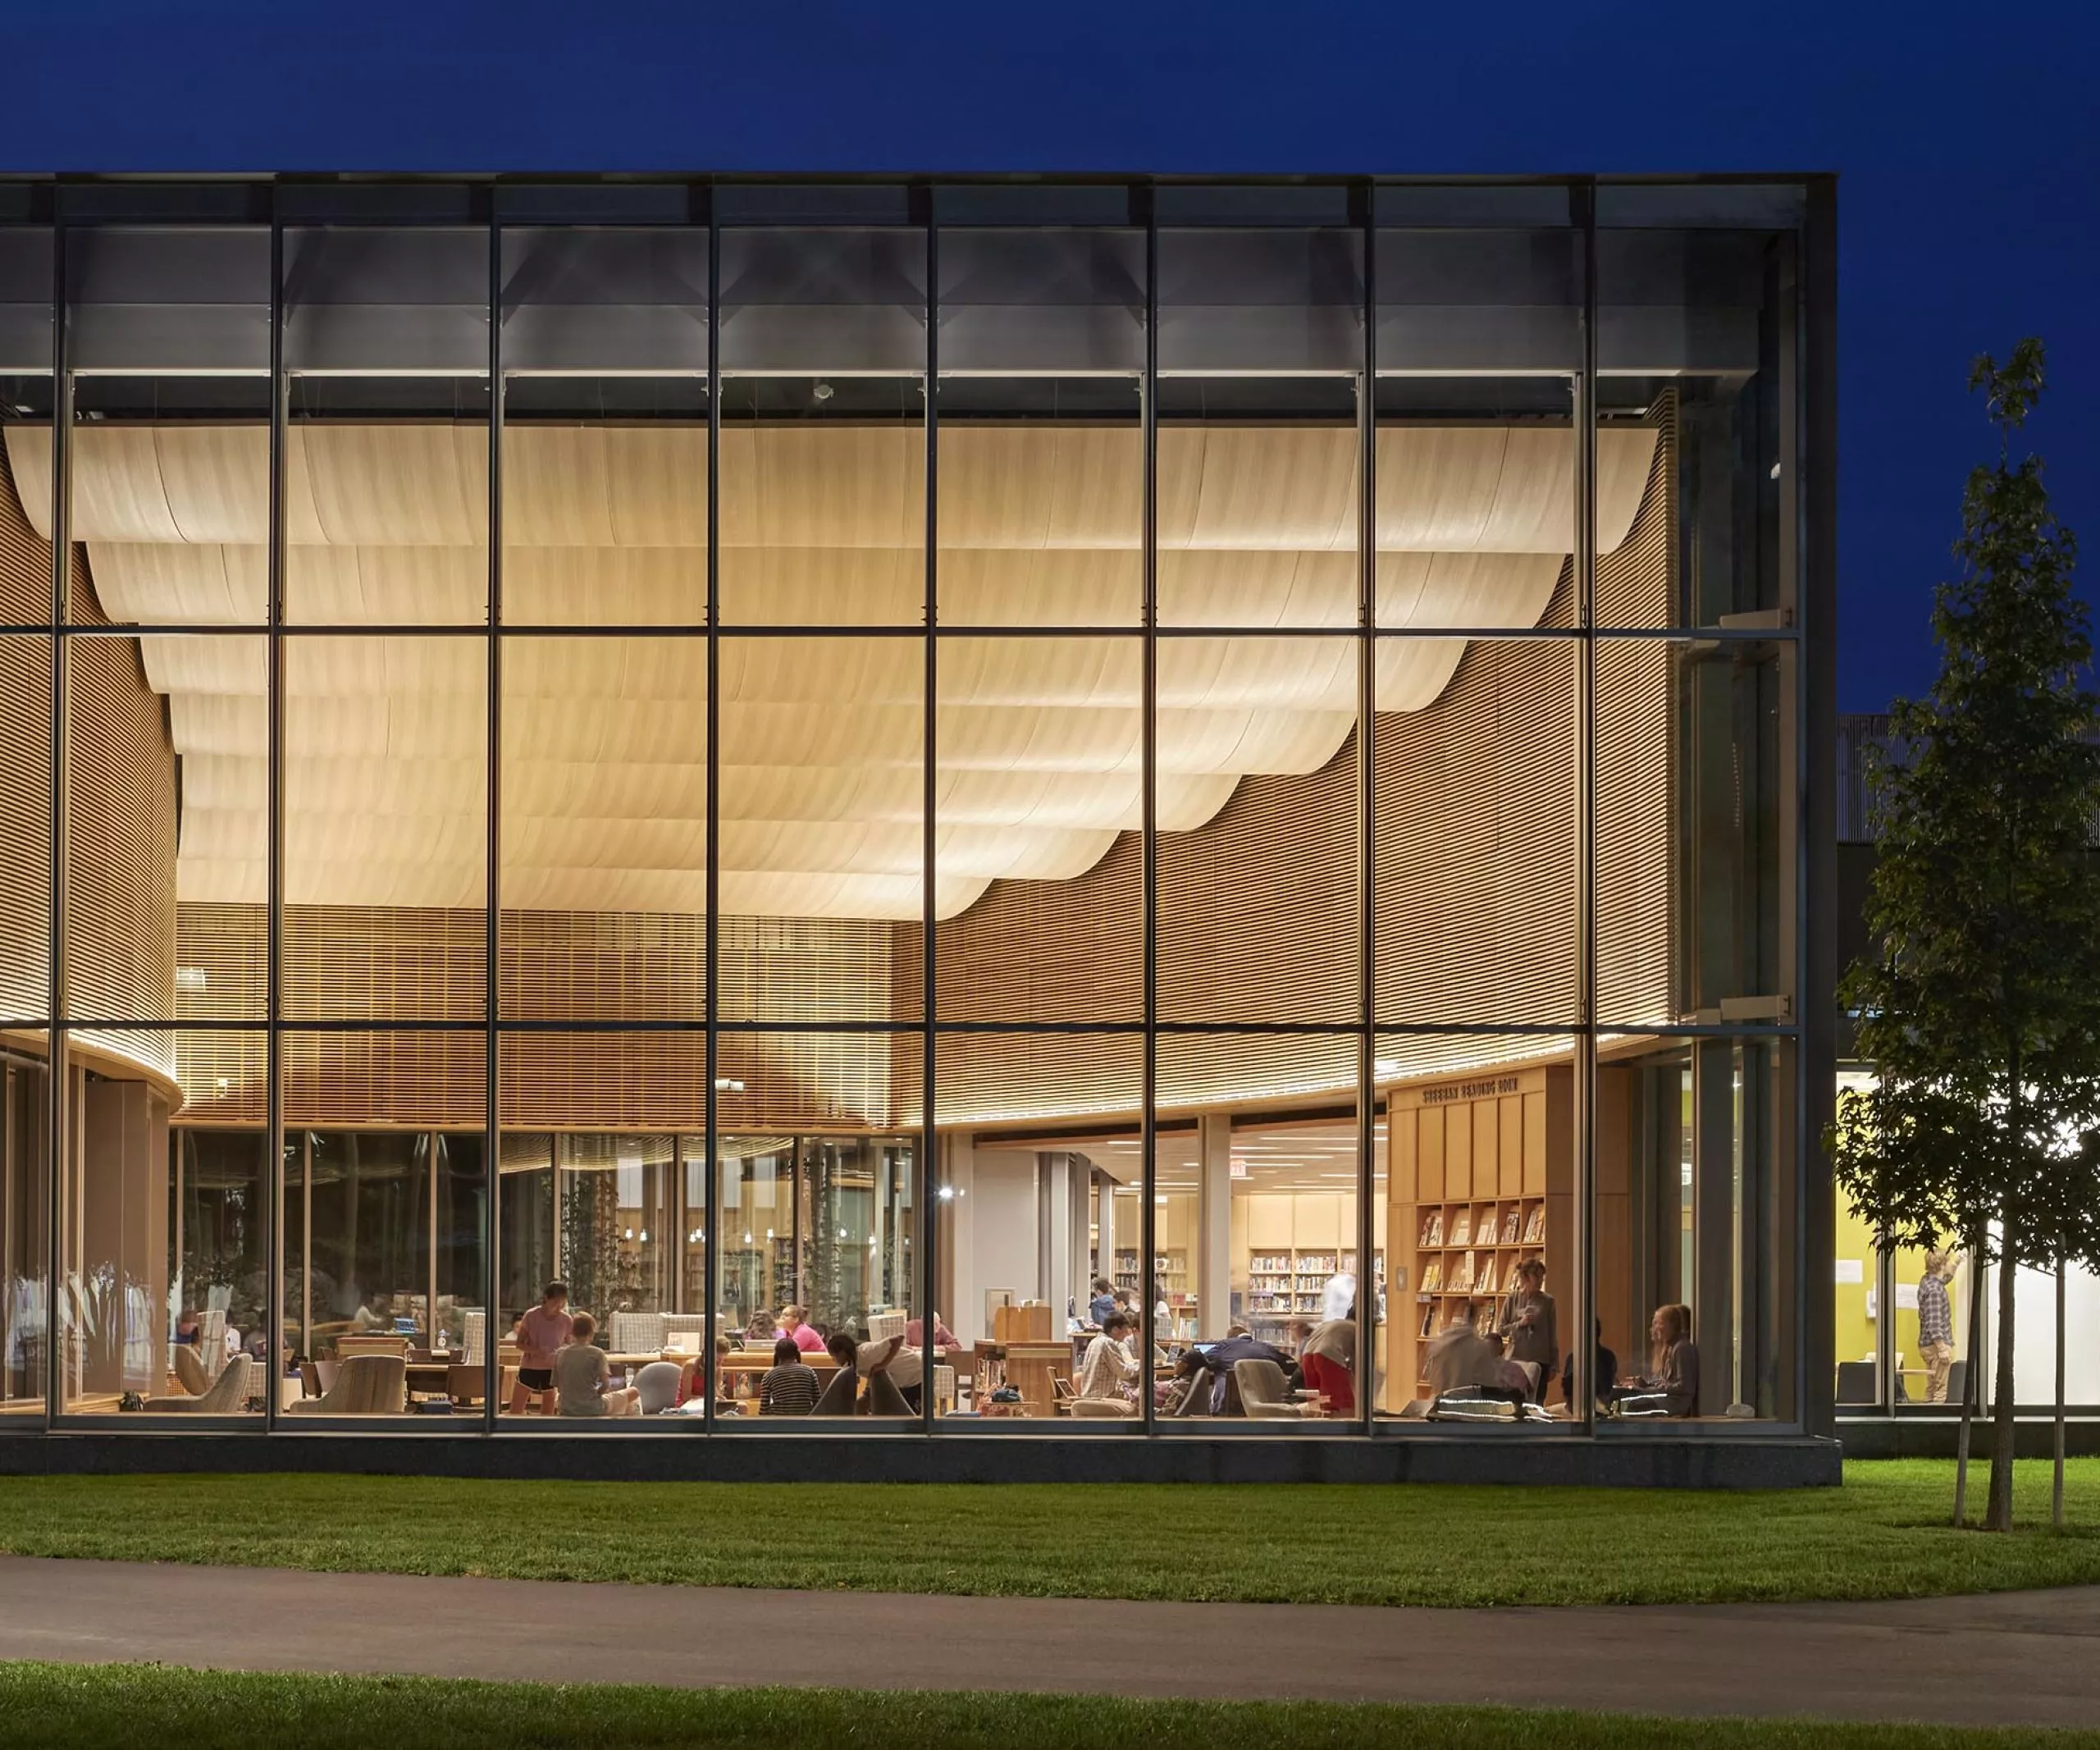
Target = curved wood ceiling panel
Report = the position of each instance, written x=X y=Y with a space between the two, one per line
x=1039 y=743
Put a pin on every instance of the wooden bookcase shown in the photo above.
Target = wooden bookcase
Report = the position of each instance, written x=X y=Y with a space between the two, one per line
x=1472 y=1149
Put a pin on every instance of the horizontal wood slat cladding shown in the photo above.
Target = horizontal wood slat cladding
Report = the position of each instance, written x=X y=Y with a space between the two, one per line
x=26 y=757
x=1638 y=861
x=25 y=828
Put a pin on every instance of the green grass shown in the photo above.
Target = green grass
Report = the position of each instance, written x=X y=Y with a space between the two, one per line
x=107 y=1707
x=1883 y=1535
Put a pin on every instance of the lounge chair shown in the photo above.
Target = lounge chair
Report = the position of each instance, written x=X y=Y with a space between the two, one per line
x=365 y=1386
x=227 y=1396
x=1264 y=1391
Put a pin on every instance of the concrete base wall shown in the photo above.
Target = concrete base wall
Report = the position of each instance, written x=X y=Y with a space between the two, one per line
x=1780 y=1462
x=1936 y=1437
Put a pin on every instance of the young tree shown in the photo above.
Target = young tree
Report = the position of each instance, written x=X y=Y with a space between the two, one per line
x=1980 y=1006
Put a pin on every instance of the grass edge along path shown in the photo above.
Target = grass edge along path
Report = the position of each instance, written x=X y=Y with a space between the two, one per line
x=1884 y=1535
x=111 y=1707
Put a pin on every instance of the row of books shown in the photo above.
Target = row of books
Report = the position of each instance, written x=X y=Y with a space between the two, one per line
x=1474 y=1274
x=1484 y=1319
x=1533 y=1233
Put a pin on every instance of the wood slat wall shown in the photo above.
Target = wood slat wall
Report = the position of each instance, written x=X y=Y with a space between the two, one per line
x=120 y=800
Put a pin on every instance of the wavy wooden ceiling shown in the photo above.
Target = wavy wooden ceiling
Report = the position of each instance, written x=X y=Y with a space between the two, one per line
x=1039 y=741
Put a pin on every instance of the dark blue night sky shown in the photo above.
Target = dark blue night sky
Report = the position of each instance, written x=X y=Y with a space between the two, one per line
x=1966 y=139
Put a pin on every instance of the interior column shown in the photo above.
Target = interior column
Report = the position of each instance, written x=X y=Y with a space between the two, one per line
x=1213 y=1224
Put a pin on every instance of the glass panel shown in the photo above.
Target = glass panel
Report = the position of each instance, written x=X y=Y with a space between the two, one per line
x=1480 y=1138
x=823 y=458
x=1039 y=1204
x=1261 y=353
x=605 y=427
x=1265 y=1208
x=594 y=1195
x=386 y=1220
x=1477 y=500
x=604 y=829
x=1039 y=851
x=387 y=463
x=25 y=1221
x=1258 y=846
x=1695 y=830
x=25 y=824
x=385 y=827
x=115 y=1256
x=1696 y=342
x=167 y=821
x=1694 y=1145
x=169 y=339
x=1475 y=834
x=218 y=1247
x=817 y=1178
x=1041 y=501
x=823 y=793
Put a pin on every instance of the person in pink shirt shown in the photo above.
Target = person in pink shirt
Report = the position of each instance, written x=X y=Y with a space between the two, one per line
x=544 y=1329
x=794 y=1324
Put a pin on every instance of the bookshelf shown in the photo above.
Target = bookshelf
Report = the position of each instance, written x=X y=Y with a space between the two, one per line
x=1466 y=1258
x=1170 y=1269
x=1283 y=1287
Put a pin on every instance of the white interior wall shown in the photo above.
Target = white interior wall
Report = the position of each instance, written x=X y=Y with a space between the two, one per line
x=1003 y=1228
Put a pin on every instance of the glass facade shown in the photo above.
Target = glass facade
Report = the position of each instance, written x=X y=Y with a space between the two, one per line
x=1137 y=810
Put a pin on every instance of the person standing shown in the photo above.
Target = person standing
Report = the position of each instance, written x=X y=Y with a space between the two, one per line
x=1936 y=1325
x=542 y=1331
x=1530 y=1328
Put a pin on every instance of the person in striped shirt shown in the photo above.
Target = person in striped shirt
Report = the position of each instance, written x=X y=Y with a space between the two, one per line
x=790 y=1386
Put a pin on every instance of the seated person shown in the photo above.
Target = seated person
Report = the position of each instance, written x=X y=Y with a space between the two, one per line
x=1510 y=1376
x=896 y=1373
x=1604 y=1377
x=692 y=1378
x=1328 y=1361
x=789 y=1387
x=584 y=1375
x=763 y=1332
x=1109 y=1370
x=943 y=1338
x=1670 y=1387
x=842 y=1389
x=1219 y=1358
x=1104 y=1302
x=807 y=1338
x=1460 y=1359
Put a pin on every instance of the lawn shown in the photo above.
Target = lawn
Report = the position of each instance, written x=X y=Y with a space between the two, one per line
x=107 y=1708
x=1883 y=1535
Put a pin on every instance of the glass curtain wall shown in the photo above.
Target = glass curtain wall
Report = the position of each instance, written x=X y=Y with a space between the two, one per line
x=917 y=765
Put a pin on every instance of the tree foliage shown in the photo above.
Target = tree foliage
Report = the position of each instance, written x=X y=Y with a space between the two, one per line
x=1980 y=1006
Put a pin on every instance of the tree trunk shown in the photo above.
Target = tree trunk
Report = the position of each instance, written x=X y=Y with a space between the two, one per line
x=1998 y=1509
x=1972 y=1375
x=2057 y=1484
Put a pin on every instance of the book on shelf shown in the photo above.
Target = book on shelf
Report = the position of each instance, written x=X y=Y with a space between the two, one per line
x=1462 y=1228
x=1433 y=1275
x=1435 y=1228
x=1535 y=1226
x=1461 y=1275
x=1428 y=1320
x=1509 y=1226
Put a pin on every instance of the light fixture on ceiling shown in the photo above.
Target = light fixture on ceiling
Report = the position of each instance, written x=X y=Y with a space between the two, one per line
x=724 y=1085
x=823 y=391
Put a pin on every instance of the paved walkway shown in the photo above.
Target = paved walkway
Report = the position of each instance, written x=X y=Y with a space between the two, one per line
x=2019 y=1658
